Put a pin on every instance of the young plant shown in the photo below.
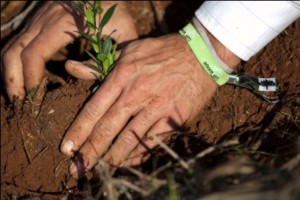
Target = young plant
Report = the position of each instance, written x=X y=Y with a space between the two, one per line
x=104 y=49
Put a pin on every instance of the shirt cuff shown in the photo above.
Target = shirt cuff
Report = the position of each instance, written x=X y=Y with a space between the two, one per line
x=246 y=27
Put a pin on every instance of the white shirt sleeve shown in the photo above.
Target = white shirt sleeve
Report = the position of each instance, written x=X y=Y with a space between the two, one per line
x=245 y=27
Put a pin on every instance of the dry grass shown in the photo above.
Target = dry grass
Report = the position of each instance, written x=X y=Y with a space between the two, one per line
x=228 y=170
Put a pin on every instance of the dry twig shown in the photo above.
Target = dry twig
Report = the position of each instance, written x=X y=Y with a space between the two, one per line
x=213 y=148
x=129 y=185
x=292 y=163
x=183 y=163
x=28 y=156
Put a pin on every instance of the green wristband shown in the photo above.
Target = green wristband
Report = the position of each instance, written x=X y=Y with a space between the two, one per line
x=203 y=54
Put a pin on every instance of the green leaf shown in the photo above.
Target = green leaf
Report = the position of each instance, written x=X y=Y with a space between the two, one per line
x=99 y=78
x=97 y=6
x=110 y=58
x=111 y=67
x=93 y=57
x=31 y=93
x=107 y=16
x=107 y=45
x=114 y=49
x=94 y=67
x=88 y=3
x=106 y=66
x=96 y=46
x=105 y=49
x=98 y=35
x=92 y=26
x=112 y=32
x=88 y=37
x=101 y=56
x=90 y=16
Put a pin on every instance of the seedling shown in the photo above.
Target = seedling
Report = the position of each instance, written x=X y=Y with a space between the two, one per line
x=104 y=49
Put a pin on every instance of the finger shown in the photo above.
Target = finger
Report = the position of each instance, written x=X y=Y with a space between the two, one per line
x=38 y=52
x=92 y=111
x=129 y=138
x=82 y=71
x=12 y=67
x=121 y=22
x=163 y=130
x=98 y=142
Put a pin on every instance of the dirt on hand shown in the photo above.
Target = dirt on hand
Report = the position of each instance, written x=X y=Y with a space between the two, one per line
x=267 y=134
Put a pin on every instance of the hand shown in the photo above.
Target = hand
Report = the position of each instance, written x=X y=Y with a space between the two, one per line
x=156 y=87
x=53 y=27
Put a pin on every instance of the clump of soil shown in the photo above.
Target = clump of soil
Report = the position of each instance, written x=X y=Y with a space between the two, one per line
x=257 y=143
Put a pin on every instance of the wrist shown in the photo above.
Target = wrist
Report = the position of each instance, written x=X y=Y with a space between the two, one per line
x=224 y=54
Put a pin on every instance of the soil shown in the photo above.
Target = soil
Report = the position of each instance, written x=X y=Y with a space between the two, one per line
x=33 y=167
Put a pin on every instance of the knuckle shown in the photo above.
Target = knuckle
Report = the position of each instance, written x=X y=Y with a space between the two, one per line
x=101 y=135
x=150 y=43
x=93 y=141
x=162 y=99
x=161 y=103
x=123 y=69
x=88 y=157
x=137 y=94
x=136 y=65
x=25 y=55
x=91 y=110
x=7 y=56
x=120 y=73
x=129 y=138
x=91 y=150
x=143 y=84
x=111 y=160
x=103 y=130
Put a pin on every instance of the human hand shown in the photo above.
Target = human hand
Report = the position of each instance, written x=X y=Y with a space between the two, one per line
x=54 y=26
x=156 y=87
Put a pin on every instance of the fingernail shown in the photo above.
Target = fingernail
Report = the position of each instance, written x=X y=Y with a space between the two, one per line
x=67 y=147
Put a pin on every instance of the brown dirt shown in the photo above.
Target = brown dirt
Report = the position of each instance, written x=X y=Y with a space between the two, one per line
x=32 y=165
